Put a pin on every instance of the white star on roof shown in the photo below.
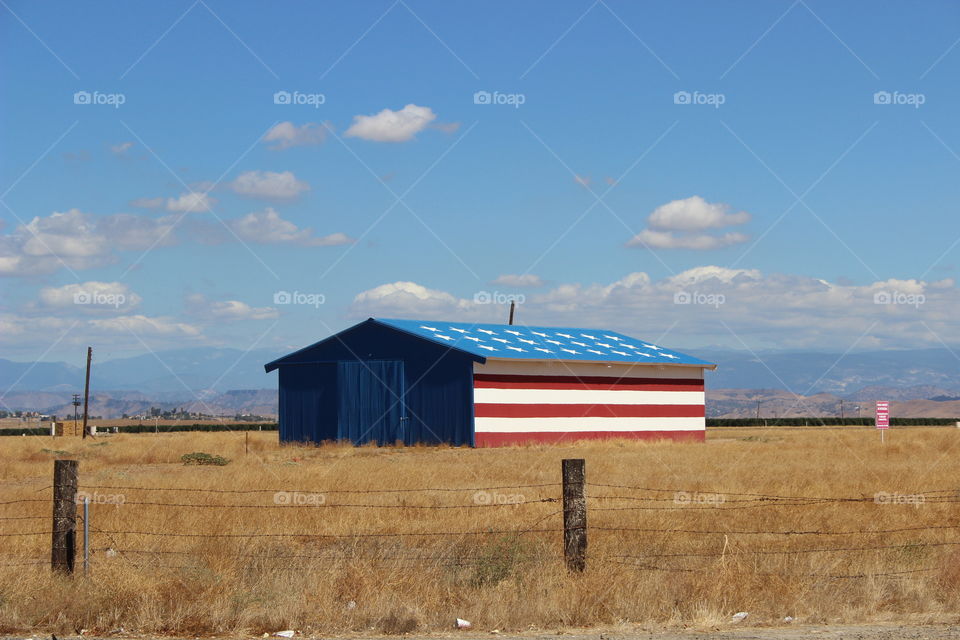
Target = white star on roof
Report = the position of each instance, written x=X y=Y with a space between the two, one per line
x=542 y=349
x=500 y=340
x=443 y=337
x=537 y=333
x=669 y=355
x=651 y=346
x=516 y=348
x=619 y=353
x=492 y=333
x=595 y=351
x=579 y=344
x=565 y=335
x=588 y=336
x=458 y=330
x=526 y=341
x=569 y=350
x=615 y=338
x=487 y=347
x=556 y=342
x=516 y=333
x=604 y=344
x=429 y=328
x=645 y=355
x=472 y=338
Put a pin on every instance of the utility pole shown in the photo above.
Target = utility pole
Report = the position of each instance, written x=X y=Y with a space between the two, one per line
x=86 y=391
x=76 y=409
x=513 y=305
x=758 y=409
x=841 y=410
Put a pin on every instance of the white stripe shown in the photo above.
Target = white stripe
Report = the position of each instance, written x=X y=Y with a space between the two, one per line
x=574 y=425
x=582 y=396
x=572 y=368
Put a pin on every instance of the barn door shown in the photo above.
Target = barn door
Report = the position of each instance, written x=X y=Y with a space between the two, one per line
x=371 y=406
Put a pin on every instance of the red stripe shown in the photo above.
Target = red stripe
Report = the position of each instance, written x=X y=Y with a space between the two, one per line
x=491 y=410
x=553 y=437
x=584 y=383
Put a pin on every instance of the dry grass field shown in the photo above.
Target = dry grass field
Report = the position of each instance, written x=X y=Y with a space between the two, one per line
x=823 y=525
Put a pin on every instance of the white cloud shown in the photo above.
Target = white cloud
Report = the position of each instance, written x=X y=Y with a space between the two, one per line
x=89 y=296
x=681 y=224
x=714 y=305
x=193 y=201
x=145 y=326
x=695 y=214
x=19 y=330
x=148 y=203
x=230 y=310
x=269 y=185
x=446 y=127
x=69 y=235
x=267 y=227
x=78 y=240
x=392 y=126
x=519 y=280
x=708 y=273
x=695 y=241
x=408 y=299
x=286 y=135
x=133 y=232
x=122 y=148
x=45 y=244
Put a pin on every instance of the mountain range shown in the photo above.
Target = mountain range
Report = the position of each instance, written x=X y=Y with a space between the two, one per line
x=220 y=380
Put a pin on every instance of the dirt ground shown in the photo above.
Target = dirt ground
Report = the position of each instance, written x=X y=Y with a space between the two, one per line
x=792 y=632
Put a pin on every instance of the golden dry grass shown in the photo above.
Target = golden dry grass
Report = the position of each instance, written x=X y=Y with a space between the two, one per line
x=244 y=564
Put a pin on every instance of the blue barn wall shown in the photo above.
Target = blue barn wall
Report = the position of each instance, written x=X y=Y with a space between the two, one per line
x=308 y=402
x=438 y=383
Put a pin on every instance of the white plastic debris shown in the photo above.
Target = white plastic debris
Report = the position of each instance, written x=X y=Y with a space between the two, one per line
x=788 y=619
x=740 y=616
x=463 y=624
x=351 y=605
x=289 y=633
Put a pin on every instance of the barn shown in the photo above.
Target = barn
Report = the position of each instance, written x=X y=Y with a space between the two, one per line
x=411 y=381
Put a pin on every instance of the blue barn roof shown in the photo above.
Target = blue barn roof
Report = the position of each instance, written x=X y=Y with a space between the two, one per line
x=521 y=342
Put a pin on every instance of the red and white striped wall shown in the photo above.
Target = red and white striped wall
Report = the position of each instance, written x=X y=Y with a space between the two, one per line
x=519 y=402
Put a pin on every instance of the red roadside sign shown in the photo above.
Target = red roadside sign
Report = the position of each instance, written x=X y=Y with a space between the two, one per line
x=883 y=414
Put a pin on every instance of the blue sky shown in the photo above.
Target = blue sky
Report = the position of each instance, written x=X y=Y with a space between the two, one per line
x=787 y=205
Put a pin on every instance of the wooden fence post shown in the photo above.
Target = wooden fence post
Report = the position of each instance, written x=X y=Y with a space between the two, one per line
x=63 y=549
x=574 y=514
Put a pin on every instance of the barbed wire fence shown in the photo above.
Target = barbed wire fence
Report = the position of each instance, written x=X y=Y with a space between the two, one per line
x=630 y=529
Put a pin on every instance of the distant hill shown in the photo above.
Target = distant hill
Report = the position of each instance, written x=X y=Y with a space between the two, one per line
x=114 y=404
x=204 y=379
x=809 y=373
x=777 y=403
x=176 y=370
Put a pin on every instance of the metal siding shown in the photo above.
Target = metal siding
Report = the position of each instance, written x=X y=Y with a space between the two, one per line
x=438 y=381
x=370 y=401
x=525 y=402
x=308 y=403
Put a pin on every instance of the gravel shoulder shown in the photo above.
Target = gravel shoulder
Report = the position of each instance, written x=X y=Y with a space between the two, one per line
x=797 y=632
